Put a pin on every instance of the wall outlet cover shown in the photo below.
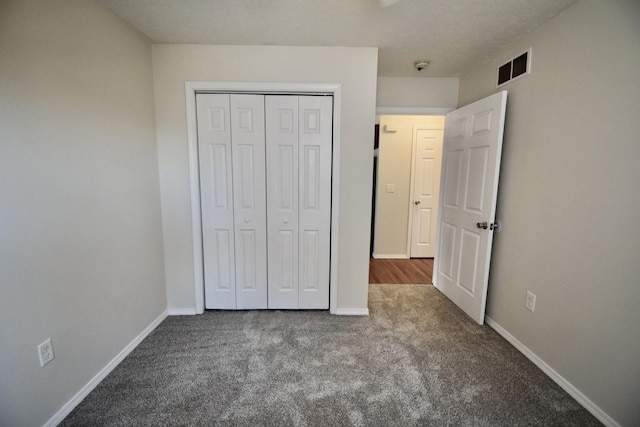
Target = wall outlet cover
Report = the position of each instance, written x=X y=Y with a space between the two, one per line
x=45 y=352
x=530 y=302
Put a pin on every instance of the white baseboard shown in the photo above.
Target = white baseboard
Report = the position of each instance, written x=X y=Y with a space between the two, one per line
x=84 y=391
x=352 y=312
x=390 y=256
x=182 y=311
x=559 y=379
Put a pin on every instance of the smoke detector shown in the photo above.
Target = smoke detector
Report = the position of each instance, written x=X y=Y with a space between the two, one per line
x=421 y=65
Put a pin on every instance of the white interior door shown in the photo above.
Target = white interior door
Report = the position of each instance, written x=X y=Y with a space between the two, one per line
x=471 y=167
x=282 y=192
x=249 y=200
x=314 y=177
x=216 y=194
x=299 y=139
x=426 y=167
x=232 y=192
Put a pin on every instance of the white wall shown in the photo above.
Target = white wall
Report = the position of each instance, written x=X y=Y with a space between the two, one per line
x=353 y=68
x=417 y=92
x=80 y=230
x=394 y=167
x=569 y=200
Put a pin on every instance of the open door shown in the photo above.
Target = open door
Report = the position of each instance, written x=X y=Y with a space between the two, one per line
x=468 y=194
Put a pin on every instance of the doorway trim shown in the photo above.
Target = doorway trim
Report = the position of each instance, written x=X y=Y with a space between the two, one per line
x=411 y=188
x=193 y=87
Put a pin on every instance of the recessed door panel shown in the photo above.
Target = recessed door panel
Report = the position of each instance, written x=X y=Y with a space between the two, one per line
x=286 y=186
x=246 y=177
x=452 y=178
x=476 y=179
x=424 y=226
x=426 y=177
x=246 y=261
x=285 y=120
x=482 y=122
x=217 y=119
x=310 y=251
x=311 y=180
x=218 y=175
x=457 y=128
x=285 y=248
x=429 y=142
x=221 y=258
x=447 y=248
x=468 y=260
x=312 y=120
x=245 y=119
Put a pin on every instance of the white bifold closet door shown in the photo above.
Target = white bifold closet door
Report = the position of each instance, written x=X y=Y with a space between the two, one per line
x=299 y=135
x=231 y=152
x=265 y=198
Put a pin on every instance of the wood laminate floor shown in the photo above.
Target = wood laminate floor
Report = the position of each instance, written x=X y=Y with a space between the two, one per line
x=401 y=271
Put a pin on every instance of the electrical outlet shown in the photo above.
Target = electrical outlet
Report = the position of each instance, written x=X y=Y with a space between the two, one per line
x=45 y=351
x=530 y=302
x=391 y=188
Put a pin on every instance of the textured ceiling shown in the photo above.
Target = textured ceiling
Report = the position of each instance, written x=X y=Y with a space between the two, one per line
x=453 y=35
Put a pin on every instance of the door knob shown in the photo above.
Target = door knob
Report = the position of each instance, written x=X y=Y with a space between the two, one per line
x=417 y=202
x=493 y=226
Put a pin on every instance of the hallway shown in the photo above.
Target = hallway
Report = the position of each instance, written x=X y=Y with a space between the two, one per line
x=401 y=271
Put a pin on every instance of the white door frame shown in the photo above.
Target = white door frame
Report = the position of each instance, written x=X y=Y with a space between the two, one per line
x=411 y=188
x=191 y=88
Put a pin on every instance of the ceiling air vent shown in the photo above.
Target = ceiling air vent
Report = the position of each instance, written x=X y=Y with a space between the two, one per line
x=518 y=67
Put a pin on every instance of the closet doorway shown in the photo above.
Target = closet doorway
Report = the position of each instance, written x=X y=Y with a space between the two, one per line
x=260 y=255
x=265 y=192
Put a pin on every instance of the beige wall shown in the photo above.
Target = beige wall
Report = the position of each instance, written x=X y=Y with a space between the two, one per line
x=421 y=92
x=81 y=253
x=394 y=167
x=569 y=200
x=353 y=68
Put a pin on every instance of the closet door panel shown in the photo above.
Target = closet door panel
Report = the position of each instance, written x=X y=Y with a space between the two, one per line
x=216 y=192
x=315 y=149
x=282 y=196
x=250 y=231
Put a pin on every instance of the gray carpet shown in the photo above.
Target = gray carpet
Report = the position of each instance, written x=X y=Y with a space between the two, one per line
x=416 y=360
